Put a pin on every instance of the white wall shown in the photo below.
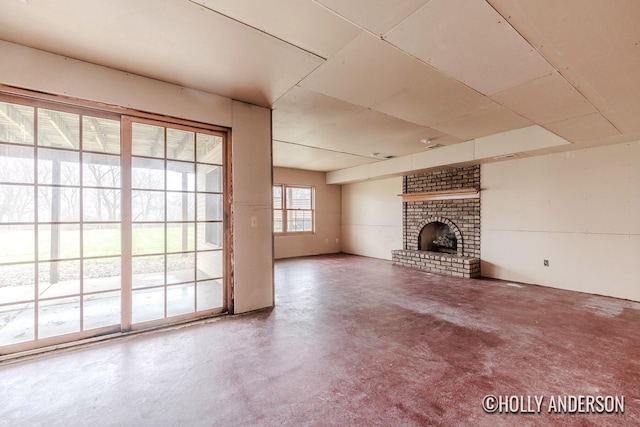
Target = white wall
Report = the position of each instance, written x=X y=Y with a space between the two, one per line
x=580 y=210
x=34 y=69
x=327 y=238
x=372 y=218
x=251 y=144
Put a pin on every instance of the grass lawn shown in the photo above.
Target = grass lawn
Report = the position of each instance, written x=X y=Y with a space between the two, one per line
x=19 y=245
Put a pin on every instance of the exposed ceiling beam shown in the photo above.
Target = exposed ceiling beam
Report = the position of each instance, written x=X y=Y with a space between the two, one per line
x=61 y=127
x=99 y=134
x=15 y=117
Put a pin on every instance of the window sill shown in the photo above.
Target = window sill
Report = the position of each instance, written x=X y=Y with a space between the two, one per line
x=295 y=233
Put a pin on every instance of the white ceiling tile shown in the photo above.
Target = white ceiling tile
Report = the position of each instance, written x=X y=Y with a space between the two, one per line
x=583 y=129
x=568 y=32
x=365 y=72
x=436 y=99
x=485 y=122
x=544 y=100
x=303 y=23
x=612 y=84
x=370 y=96
x=199 y=48
x=371 y=132
x=471 y=42
x=310 y=158
x=377 y=16
x=593 y=44
x=301 y=112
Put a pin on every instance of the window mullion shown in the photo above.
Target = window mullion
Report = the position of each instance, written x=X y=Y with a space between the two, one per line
x=125 y=200
x=285 y=214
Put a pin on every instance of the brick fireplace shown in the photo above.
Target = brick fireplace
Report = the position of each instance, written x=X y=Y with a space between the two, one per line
x=441 y=224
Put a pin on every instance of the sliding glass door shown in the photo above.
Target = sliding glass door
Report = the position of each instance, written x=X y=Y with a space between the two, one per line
x=177 y=198
x=107 y=223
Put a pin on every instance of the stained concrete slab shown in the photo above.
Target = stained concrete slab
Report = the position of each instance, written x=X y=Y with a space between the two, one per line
x=352 y=341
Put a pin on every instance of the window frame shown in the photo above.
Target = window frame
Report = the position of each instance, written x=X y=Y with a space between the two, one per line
x=283 y=208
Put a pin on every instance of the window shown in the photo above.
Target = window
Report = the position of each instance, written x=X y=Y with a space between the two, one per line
x=293 y=209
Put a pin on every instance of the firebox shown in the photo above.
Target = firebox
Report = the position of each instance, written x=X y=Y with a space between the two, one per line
x=438 y=237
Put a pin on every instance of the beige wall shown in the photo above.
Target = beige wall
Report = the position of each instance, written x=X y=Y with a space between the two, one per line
x=327 y=238
x=252 y=214
x=372 y=218
x=251 y=145
x=580 y=210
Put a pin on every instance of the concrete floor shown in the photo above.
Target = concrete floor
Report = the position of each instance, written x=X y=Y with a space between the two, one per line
x=352 y=341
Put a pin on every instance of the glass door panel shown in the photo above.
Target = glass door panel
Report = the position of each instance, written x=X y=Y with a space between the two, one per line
x=60 y=190
x=177 y=207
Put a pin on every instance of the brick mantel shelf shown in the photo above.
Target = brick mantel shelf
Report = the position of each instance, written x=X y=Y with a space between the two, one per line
x=466 y=193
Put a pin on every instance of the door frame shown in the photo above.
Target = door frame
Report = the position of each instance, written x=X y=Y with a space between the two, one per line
x=73 y=105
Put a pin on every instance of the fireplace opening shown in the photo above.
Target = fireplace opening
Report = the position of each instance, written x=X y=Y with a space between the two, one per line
x=438 y=237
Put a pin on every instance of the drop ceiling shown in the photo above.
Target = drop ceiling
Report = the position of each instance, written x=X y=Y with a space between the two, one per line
x=353 y=82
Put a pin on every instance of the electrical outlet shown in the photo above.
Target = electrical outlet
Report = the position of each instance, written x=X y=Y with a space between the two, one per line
x=546 y=263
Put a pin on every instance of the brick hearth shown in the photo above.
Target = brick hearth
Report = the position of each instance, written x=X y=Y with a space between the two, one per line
x=451 y=265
